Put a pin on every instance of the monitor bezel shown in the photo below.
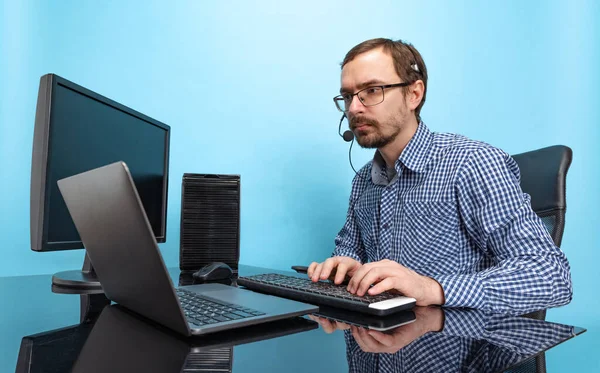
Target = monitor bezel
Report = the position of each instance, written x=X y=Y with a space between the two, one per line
x=39 y=210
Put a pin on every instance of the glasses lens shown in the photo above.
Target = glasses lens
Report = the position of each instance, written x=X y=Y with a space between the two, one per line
x=339 y=103
x=371 y=96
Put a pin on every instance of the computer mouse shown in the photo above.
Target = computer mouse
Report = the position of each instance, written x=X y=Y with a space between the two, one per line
x=213 y=271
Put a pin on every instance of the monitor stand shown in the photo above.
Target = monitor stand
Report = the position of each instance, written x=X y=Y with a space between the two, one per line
x=78 y=280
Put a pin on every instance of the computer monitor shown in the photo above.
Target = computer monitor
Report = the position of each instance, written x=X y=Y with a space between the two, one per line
x=77 y=130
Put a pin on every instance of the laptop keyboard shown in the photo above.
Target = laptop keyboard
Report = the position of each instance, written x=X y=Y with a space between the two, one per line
x=321 y=293
x=202 y=311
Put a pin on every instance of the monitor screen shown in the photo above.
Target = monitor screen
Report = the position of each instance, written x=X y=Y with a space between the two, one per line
x=77 y=130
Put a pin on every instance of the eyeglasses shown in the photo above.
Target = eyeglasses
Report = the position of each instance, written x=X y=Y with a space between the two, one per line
x=369 y=96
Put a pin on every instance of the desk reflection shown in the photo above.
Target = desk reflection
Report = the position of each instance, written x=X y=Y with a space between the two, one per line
x=120 y=341
x=448 y=340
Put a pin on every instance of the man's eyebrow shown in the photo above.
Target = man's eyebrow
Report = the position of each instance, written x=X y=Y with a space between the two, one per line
x=364 y=85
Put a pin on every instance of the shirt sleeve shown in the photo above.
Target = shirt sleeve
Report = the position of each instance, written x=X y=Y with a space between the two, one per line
x=348 y=241
x=530 y=272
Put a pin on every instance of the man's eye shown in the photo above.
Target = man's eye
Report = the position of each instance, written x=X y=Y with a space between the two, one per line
x=371 y=90
x=347 y=96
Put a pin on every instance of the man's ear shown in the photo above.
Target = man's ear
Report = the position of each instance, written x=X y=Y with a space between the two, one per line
x=415 y=94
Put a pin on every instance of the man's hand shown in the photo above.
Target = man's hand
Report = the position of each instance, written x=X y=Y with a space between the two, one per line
x=389 y=275
x=329 y=326
x=428 y=319
x=338 y=266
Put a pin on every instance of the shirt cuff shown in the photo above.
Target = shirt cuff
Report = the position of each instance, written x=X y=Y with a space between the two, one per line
x=464 y=290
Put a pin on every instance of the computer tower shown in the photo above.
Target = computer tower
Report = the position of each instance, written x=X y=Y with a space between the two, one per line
x=210 y=221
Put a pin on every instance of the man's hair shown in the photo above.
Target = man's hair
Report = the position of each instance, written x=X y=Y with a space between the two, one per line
x=408 y=62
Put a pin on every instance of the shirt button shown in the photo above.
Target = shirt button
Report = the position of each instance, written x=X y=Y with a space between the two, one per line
x=386 y=226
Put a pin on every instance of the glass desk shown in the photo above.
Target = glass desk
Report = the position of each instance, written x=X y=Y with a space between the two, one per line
x=49 y=331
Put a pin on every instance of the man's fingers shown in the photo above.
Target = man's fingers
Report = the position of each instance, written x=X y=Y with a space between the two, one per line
x=328 y=266
x=387 y=284
x=314 y=318
x=340 y=273
x=332 y=268
x=365 y=277
x=358 y=338
x=345 y=269
x=317 y=272
x=357 y=277
x=342 y=326
x=382 y=338
x=371 y=277
x=328 y=326
x=370 y=274
x=371 y=343
x=311 y=268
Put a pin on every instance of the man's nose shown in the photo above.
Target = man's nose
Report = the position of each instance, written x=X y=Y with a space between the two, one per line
x=356 y=106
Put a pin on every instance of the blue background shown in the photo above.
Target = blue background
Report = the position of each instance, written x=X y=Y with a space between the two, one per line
x=247 y=87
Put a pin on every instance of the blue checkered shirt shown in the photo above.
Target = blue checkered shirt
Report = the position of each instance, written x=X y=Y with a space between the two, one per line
x=470 y=341
x=452 y=209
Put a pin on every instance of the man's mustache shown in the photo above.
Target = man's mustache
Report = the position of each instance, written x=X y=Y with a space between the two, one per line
x=354 y=121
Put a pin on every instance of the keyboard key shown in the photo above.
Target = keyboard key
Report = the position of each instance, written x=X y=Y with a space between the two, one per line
x=233 y=316
x=220 y=318
x=244 y=314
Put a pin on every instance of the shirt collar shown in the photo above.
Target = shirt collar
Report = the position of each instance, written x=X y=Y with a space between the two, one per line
x=415 y=156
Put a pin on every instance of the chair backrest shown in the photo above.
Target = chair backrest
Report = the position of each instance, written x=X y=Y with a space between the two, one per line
x=543 y=177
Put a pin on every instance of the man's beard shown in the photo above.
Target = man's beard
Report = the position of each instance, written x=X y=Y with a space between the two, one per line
x=375 y=139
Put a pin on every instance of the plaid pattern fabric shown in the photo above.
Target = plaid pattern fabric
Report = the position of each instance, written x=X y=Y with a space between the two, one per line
x=453 y=210
x=471 y=341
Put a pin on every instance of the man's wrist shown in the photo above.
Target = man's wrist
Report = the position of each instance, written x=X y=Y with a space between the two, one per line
x=435 y=292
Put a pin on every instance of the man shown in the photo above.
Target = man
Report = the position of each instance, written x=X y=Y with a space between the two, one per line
x=437 y=217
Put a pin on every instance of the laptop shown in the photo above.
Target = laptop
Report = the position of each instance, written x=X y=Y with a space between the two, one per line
x=122 y=342
x=113 y=226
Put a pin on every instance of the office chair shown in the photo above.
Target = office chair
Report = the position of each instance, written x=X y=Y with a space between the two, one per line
x=543 y=177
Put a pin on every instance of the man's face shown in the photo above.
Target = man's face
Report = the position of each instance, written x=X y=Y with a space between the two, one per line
x=378 y=125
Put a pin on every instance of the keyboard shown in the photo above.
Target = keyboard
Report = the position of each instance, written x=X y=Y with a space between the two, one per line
x=325 y=293
x=202 y=311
